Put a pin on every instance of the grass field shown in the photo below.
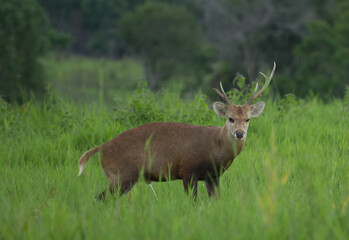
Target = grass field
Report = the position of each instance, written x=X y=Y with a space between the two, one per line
x=290 y=182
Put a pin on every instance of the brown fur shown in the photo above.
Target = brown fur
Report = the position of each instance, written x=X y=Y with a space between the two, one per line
x=175 y=151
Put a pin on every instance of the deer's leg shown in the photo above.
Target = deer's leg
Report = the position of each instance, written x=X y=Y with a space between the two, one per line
x=211 y=185
x=116 y=184
x=125 y=187
x=123 y=184
x=101 y=196
x=191 y=182
x=112 y=187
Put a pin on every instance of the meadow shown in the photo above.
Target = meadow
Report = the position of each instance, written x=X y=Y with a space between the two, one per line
x=291 y=181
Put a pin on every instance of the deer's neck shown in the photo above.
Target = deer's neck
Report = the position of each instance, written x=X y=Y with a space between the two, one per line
x=230 y=147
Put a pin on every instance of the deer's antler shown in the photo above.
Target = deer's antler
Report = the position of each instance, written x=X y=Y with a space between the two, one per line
x=222 y=94
x=267 y=81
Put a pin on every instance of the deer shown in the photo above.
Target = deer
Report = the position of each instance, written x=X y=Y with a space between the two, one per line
x=162 y=151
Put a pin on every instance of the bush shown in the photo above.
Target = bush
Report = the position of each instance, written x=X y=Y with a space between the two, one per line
x=23 y=38
x=145 y=106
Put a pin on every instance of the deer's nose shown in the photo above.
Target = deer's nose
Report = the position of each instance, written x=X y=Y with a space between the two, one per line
x=239 y=134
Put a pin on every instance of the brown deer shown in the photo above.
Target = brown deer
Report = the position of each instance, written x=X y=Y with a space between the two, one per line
x=163 y=151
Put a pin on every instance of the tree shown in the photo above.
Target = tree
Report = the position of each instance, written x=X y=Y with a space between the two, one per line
x=100 y=20
x=252 y=34
x=23 y=38
x=166 y=38
x=323 y=55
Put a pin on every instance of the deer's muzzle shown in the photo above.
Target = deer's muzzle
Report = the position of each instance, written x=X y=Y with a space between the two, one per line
x=239 y=134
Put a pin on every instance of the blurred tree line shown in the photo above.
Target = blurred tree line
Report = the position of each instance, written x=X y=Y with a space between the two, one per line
x=200 y=41
x=23 y=31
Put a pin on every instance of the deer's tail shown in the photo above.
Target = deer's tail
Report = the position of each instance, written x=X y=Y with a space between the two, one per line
x=84 y=159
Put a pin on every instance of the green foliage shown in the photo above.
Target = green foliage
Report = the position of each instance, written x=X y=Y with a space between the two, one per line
x=101 y=17
x=242 y=91
x=289 y=103
x=145 y=106
x=324 y=56
x=92 y=24
x=239 y=94
x=180 y=42
x=166 y=37
x=59 y=42
x=289 y=182
x=23 y=38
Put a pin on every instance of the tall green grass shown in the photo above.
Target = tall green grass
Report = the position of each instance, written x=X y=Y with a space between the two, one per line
x=290 y=181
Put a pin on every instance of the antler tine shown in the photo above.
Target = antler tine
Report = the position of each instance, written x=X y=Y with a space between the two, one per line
x=253 y=95
x=219 y=93
x=222 y=94
x=225 y=95
x=267 y=82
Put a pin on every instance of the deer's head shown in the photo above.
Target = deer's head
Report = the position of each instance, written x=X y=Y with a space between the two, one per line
x=237 y=116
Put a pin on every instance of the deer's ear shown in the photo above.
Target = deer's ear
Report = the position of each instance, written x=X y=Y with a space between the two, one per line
x=257 y=109
x=219 y=108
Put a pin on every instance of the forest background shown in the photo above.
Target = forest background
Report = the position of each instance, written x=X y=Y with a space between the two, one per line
x=76 y=47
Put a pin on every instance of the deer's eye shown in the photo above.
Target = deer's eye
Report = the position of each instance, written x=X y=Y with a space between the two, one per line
x=247 y=120
x=231 y=120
